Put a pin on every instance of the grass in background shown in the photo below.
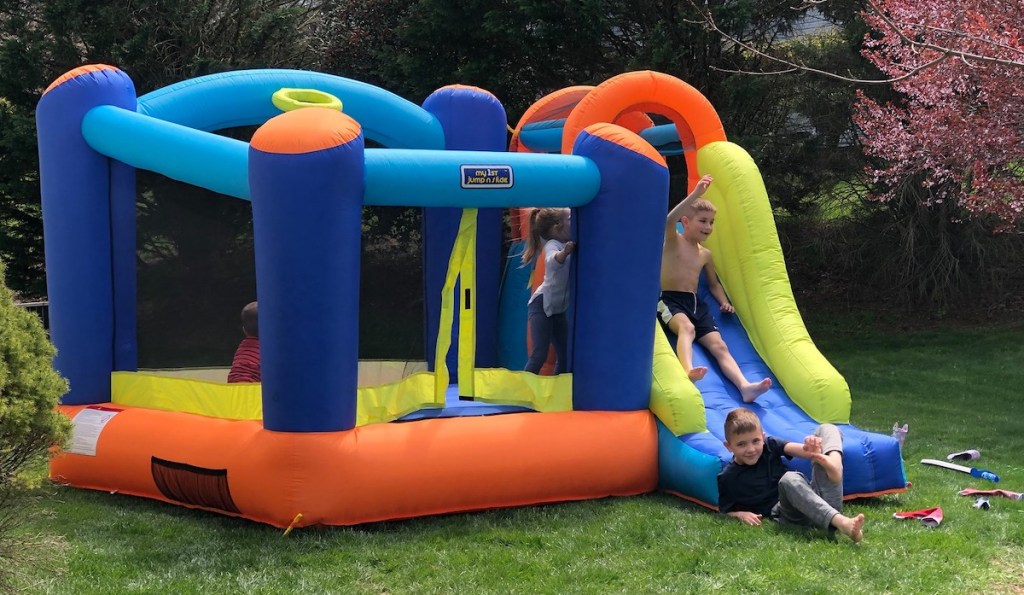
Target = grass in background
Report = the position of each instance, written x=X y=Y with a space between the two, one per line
x=957 y=389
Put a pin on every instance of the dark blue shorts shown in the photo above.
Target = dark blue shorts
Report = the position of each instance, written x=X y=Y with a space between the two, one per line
x=686 y=302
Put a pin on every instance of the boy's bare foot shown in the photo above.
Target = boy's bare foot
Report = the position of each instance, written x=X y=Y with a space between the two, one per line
x=751 y=391
x=852 y=528
x=831 y=464
x=697 y=373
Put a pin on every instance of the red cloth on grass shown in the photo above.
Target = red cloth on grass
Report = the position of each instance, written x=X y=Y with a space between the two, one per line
x=930 y=517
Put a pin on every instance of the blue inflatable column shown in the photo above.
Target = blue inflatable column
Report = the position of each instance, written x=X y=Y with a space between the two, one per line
x=83 y=271
x=472 y=120
x=306 y=180
x=123 y=192
x=618 y=267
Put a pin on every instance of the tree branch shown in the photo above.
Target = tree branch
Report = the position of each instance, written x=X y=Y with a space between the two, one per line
x=791 y=66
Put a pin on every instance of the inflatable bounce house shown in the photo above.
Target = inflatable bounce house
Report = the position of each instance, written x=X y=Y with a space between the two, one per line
x=310 y=445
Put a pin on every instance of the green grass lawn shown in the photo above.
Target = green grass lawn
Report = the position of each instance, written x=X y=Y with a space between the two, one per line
x=957 y=389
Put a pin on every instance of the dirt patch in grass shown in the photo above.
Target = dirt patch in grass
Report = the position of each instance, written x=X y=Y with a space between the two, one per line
x=1011 y=566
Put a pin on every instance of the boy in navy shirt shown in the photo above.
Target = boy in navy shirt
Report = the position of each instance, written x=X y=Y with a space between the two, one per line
x=756 y=484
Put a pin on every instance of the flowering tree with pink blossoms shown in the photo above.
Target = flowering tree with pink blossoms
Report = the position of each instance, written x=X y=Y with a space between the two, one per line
x=957 y=130
x=943 y=131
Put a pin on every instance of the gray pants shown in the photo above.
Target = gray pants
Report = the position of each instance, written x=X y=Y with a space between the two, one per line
x=815 y=502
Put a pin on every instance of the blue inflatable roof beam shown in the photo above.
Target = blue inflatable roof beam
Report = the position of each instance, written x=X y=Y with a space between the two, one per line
x=546 y=137
x=543 y=137
x=185 y=154
x=544 y=125
x=664 y=138
x=243 y=98
x=394 y=177
x=399 y=177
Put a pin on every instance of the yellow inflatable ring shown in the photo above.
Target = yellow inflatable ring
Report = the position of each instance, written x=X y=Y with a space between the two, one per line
x=287 y=99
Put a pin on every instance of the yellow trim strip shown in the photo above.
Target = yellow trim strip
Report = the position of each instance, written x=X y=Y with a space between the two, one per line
x=388 y=402
x=201 y=397
x=547 y=394
x=467 y=303
x=461 y=251
x=244 y=401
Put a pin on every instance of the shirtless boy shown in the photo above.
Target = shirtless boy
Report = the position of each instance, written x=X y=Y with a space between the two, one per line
x=686 y=315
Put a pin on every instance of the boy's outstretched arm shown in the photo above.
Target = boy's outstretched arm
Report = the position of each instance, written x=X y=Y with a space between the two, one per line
x=677 y=211
x=807 y=449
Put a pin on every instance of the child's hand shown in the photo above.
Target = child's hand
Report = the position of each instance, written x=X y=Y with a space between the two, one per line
x=749 y=518
x=727 y=308
x=703 y=184
x=564 y=253
x=812 y=446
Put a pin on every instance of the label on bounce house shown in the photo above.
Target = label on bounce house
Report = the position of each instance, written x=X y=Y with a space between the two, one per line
x=87 y=427
x=486 y=176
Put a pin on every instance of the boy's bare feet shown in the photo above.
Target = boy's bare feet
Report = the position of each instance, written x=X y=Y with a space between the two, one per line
x=751 y=391
x=697 y=373
x=852 y=528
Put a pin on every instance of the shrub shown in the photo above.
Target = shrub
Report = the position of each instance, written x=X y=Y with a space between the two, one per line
x=905 y=256
x=29 y=427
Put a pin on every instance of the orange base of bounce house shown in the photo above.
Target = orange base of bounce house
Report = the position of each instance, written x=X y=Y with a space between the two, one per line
x=371 y=473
